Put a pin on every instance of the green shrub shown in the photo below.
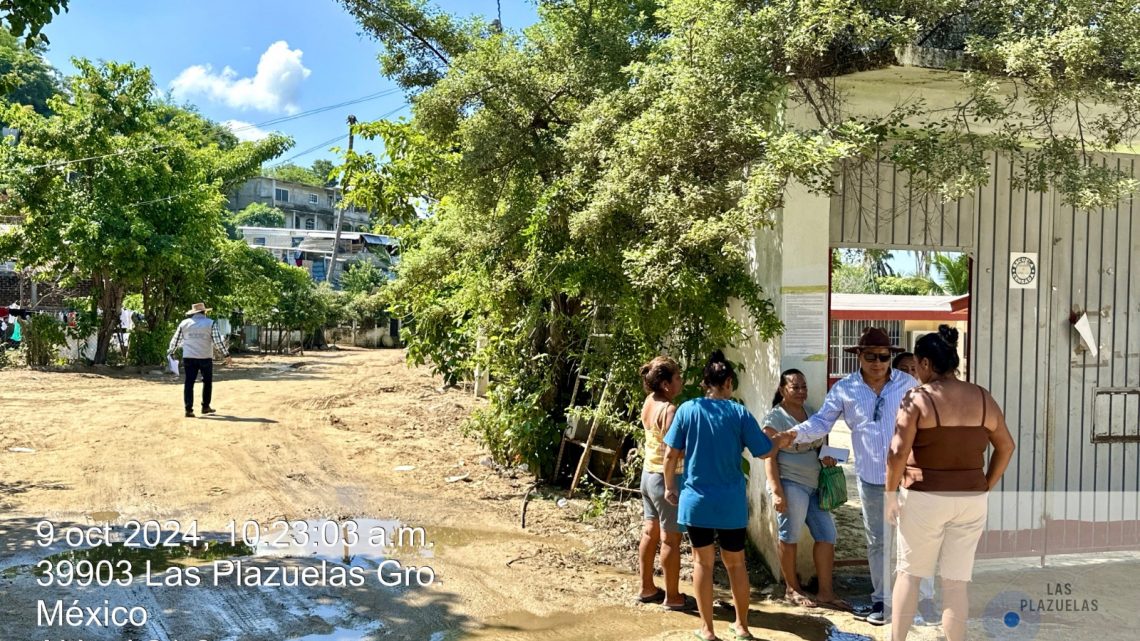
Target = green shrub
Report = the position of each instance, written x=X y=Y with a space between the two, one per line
x=43 y=336
x=148 y=346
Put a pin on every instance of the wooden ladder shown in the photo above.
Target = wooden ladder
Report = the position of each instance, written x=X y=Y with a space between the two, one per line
x=588 y=446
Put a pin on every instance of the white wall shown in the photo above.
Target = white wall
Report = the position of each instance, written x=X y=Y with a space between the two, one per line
x=791 y=259
x=760 y=370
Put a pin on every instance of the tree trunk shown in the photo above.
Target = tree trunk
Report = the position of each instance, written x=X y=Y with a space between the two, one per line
x=111 y=303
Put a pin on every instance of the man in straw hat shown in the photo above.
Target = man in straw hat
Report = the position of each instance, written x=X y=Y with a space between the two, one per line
x=868 y=400
x=198 y=336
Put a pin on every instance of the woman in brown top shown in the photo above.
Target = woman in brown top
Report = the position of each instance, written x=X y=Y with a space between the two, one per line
x=938 y=452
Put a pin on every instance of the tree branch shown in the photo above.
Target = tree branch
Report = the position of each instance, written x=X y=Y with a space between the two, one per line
x=823 y=122
x=412 y=33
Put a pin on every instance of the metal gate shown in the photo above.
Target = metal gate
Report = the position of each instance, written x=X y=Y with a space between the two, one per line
x=1073 y=482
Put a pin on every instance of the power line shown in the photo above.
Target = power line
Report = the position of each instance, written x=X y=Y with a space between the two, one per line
x=334 y=139
x=121 y=152
x=311 y=149
x=317 y=110
x=303 y=114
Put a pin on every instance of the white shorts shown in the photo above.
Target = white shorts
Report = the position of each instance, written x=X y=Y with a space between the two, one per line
x=940 y=530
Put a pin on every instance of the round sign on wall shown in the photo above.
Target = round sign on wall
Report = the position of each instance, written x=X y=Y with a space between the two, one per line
x=1022 y=271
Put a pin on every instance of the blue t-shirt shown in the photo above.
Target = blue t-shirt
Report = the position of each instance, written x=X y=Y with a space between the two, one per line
x=713 y=434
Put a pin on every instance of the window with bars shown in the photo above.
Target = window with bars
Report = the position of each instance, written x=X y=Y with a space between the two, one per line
x=845 y=333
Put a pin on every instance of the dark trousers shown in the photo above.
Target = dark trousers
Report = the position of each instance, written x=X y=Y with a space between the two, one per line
x=192 y=367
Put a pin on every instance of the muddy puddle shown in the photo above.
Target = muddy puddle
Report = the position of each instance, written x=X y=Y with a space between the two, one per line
x=223 y=603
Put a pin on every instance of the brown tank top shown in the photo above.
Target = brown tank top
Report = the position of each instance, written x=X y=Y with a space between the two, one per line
x=949 y=458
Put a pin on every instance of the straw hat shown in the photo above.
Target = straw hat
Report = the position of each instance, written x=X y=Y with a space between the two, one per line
x=199 y=308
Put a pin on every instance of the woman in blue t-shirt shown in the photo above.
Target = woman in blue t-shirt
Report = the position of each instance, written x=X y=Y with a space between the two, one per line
x=710 y=434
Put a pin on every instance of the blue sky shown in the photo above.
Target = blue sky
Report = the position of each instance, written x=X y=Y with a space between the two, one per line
x=310 y=52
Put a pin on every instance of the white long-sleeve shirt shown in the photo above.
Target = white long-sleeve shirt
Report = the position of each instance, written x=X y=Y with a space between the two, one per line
x=854 y=401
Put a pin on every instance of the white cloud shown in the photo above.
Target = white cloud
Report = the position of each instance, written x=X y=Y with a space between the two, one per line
x=273 y=89
x=244 y=130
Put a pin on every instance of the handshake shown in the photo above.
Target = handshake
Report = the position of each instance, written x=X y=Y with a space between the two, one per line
x=780 y=440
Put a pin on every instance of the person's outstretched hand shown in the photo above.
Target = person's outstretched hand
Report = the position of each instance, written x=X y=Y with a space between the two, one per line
x=229 y=361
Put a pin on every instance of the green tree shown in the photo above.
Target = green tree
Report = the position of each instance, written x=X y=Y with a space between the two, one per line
x=363 y=277
x=851 y=279
x=26 y=78
x=906 y=285
x=254 y=215
x=295 y=173
x=953 y=273
x=323 y=169
x=620 y=155
x=876 y=261
x=121 y=190
x=25 y=18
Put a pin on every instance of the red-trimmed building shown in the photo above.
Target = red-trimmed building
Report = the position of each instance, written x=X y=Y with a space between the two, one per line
x=905 y=319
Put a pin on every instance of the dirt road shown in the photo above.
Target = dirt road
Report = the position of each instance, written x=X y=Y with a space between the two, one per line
x=349 y=435
x=305 y=449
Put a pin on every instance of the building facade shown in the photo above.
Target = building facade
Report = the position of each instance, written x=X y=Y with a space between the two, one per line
x=1051 y=326
x=305 y=206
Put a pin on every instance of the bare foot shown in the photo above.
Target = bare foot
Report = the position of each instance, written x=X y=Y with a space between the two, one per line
x=800 y=599
x=741 y=631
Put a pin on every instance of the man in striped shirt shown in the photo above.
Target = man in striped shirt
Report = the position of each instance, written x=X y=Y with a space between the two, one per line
x=868 y=401
x=198 y=336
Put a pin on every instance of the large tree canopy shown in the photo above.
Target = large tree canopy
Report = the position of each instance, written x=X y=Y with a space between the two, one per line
x=616 y=158
x=25 y=18
x=26 y=78
x=122 y=190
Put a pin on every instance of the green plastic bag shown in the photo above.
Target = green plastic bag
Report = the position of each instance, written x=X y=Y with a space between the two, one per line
x=832 y=488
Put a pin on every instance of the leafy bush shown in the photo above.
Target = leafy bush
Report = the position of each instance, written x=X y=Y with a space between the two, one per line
x=148 y=346
x=6 y=358
x=518 y=431
x=43 y=336
x=906 y=285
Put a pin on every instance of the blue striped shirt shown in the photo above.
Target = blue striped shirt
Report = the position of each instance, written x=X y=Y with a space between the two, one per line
x=854 y=401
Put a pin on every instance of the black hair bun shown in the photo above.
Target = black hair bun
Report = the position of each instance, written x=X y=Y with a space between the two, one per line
x=717 y=357
x=948 y=334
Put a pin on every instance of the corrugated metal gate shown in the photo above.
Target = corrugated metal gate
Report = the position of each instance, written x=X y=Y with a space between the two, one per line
x=1074 y=480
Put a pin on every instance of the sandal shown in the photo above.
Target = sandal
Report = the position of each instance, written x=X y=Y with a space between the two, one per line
x=688 y=605
x=701 y=636
x=656 y=597
x=836 y=604
x=801 y=600
x=742 y=637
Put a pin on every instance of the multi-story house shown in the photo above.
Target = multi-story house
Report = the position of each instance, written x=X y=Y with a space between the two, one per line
x=305 y=206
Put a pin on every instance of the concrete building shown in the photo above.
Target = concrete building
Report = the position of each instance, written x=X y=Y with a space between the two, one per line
x=904 y=318
x=1052 y=305
x=312 y=250
x=305 y=206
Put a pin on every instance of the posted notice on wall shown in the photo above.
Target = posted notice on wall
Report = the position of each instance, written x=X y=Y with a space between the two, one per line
x=805 y=322
x=1023 y=270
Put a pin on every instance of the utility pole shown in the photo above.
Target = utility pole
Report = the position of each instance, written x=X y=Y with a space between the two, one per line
x=340 y=212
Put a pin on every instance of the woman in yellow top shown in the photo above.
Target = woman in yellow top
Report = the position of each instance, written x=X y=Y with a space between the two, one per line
x=661 y=378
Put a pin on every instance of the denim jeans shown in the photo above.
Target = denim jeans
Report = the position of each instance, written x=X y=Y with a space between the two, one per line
x=803 y=509
x=880 y=544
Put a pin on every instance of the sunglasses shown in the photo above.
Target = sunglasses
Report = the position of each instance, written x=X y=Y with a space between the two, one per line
x=871 y=358
x=878 y=409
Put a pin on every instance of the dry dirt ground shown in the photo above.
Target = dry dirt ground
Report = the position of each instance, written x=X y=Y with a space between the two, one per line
x=342 y=435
